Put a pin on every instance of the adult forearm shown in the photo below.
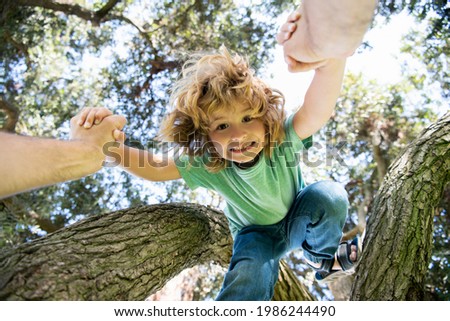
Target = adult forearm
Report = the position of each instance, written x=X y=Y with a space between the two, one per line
x=27 y=162
x=335 y=28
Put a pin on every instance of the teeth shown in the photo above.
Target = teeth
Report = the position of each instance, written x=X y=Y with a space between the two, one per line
x=244 y=147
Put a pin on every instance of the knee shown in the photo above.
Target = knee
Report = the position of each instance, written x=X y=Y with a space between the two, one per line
x=331 y=195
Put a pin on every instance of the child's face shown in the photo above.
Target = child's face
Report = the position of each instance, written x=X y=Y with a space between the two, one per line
x=235 y=134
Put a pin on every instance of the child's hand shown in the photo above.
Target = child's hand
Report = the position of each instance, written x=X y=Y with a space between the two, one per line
x=288 y=27
x=90 y=116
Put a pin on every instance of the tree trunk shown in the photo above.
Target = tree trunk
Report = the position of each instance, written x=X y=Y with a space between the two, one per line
x=289 y=287
x=125 y=255
x=398 y=242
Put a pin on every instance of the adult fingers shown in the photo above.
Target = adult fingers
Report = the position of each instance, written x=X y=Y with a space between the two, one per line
x=288 y=28
x=298 y=66
x=280 y=38
x=294 y=16
x=119 y=122
x=285 y=32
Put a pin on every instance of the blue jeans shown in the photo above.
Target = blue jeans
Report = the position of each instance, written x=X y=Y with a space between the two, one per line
x=313 y=223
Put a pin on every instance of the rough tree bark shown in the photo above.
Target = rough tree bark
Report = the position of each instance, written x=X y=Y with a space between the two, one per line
x=398 y=242
x=289 y=287
x=125 y=255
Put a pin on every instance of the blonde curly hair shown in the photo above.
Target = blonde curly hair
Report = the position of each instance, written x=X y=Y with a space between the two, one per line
x=211 y=82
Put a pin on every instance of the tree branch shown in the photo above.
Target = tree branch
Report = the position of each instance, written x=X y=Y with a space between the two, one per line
x=101 y=13
x=70 y=9
x=96 y=17
x=289 y=287
x=125 y=255
x=12 y=113
x=142 y=32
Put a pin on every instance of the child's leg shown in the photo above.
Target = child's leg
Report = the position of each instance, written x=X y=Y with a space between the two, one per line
x=253 y=270
x=316 y=219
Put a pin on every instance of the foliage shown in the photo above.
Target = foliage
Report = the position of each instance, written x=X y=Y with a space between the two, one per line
x=54 y=63
x=440 y=260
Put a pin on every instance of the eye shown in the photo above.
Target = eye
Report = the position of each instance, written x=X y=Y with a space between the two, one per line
x=247 y=119
x=222 y=127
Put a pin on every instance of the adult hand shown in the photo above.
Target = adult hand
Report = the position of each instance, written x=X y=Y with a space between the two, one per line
x=297 y=47
x=110 y=129
x=325 y=29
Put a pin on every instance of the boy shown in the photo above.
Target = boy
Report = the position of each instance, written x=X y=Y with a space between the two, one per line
x=234 y=139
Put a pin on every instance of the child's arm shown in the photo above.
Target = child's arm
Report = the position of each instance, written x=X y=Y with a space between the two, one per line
x=320 y=98
x=141 y=163
x=324 y=90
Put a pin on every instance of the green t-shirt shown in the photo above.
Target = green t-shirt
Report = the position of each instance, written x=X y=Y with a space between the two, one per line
x=260 y=195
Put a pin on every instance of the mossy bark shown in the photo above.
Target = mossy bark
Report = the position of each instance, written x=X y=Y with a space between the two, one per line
x=398 y=242
x=125 y=255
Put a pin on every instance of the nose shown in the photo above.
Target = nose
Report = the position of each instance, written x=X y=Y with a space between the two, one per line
x=237 y=134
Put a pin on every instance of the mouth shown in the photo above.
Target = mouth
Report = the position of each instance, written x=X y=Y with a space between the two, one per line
x=243 y=148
